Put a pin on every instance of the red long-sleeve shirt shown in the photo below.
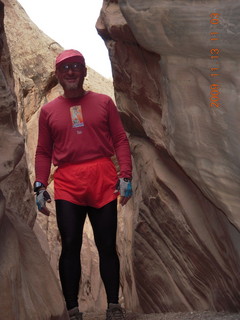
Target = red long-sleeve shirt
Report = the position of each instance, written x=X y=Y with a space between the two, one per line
x=78 y=130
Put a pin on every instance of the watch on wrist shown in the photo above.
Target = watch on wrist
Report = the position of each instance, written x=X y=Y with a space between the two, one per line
x=37 y=185
x=127 y=179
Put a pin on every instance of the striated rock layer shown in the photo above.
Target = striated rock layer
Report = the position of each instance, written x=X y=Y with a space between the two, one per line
x=186 y=238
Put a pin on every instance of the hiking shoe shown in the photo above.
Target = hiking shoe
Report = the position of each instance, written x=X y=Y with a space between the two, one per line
x=74 y=314
x=115 y=312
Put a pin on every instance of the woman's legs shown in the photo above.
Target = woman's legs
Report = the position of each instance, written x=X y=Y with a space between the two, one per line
x=70 y=220
x=104 y=224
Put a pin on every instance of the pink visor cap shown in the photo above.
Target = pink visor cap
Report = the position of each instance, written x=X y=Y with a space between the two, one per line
x=70 y=56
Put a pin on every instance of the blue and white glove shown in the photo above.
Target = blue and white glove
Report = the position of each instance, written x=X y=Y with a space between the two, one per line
x=42 y=196
x=124 y=187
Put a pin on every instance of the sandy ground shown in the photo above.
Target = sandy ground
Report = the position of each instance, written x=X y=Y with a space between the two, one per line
x=171 y=316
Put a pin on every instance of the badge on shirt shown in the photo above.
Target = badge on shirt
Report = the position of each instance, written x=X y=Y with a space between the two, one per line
x=77 y=117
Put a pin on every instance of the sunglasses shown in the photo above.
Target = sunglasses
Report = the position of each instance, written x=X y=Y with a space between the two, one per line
x=75 y=67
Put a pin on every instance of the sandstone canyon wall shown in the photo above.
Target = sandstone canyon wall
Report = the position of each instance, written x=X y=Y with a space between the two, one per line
x=29 y=289
x=186 y=239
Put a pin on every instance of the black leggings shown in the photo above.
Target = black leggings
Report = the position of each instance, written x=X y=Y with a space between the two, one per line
x=70 y=220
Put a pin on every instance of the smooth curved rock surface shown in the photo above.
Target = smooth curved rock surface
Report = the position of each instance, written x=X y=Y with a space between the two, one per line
x=202 y=139
x=186 y=236
x=29 y=289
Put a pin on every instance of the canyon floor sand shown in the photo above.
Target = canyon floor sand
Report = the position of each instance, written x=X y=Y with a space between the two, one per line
x=171 y=316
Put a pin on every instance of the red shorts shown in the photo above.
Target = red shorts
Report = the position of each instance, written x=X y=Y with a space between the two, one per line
x=90 y=183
